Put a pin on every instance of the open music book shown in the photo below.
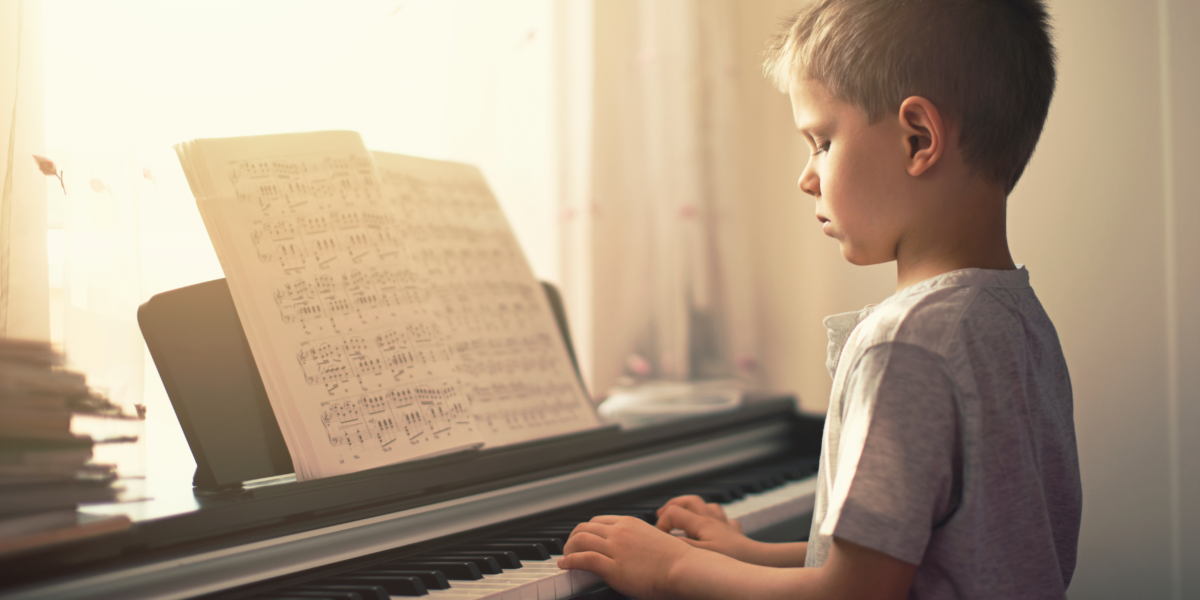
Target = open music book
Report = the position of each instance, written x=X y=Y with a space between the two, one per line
x=386 y=301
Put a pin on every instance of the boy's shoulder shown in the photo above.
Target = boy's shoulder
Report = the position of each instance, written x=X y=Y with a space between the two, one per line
x=951 y=309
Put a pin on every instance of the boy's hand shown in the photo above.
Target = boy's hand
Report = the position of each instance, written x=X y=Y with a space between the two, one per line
x=632 y=556
x=706 y=527
x=697 y=505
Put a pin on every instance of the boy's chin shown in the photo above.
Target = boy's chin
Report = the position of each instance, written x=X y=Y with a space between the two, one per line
x=857 y=257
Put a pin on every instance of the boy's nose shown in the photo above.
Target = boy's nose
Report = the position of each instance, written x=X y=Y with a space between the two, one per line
x=809 y=183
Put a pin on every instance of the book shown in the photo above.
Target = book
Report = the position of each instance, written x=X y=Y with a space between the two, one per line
x=27 y=523
x=386 y=302
x=45 y=468
x=76 y=527
x=84 y=488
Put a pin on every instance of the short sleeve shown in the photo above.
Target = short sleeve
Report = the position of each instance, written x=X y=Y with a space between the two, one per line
x=899 y=457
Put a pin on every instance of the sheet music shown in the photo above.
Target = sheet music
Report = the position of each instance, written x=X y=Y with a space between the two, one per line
x=512 y=361
x=388 y=321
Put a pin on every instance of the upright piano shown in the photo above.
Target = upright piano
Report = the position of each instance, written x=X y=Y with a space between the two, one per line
x=486 y=523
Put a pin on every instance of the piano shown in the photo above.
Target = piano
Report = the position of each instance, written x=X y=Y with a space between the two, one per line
x=480 y=524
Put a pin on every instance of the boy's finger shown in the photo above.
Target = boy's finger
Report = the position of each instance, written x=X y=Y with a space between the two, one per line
x=716 y=512
x=585 y=541
x=605 y=519
x=588 y=561
x=677 y=517
x=692 y=503
x=596 y=529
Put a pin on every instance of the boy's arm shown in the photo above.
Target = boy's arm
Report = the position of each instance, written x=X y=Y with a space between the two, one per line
x=639 y=560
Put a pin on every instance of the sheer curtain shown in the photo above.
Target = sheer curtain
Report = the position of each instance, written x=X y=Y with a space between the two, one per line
x=663 y=224
x=24 y=304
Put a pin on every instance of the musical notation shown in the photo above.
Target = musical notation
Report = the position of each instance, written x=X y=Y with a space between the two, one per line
x=415 y=351
x=404 y=416
x=394 y=313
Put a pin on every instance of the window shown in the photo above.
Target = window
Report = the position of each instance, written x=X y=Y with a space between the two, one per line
x=465 y=80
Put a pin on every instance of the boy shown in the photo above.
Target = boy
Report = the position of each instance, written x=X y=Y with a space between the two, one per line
x=948 y=464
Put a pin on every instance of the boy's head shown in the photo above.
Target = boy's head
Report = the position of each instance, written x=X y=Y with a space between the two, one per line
x=986 y=65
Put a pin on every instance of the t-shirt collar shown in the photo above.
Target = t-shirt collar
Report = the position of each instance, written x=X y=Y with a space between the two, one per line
x=840 y=325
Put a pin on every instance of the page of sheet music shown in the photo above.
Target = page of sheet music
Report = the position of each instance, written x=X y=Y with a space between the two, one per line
x=512 y=360
x=388 y=321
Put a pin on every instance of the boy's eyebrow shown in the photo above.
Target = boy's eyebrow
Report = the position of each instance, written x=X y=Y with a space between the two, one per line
x=807 y=128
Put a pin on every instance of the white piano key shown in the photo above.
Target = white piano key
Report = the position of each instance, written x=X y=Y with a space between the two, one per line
x=536 y=580
x=758 y=511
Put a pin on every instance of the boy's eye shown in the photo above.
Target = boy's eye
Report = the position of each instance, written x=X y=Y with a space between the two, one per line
x=821 y=147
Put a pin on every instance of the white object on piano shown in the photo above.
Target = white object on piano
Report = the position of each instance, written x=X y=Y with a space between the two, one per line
x=656 y=402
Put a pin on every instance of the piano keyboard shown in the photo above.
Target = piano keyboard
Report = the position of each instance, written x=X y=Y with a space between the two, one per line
x=497 y=542
x=523 y=565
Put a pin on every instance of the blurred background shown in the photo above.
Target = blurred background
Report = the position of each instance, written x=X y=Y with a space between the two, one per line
x=650 y=171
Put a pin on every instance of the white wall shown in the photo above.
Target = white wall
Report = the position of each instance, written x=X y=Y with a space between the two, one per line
x=1109 y=232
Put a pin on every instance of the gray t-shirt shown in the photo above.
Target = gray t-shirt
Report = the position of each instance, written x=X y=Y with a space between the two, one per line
x=950 y=442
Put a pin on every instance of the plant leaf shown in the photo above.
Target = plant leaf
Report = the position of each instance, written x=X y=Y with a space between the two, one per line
x=45 y=165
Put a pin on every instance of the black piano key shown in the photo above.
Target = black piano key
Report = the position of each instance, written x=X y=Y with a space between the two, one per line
x=749 y=486
x=562 y=534
x=395 y=585
x=568 y=525
x=795 y=473
x=487 y=565
x=314 y=595
x=641 y=505
x=507 y=560
x=720 y=495
x=553 y=544
x=523 y=551
x=456 y=569
x=434 y=580
x=366 y=592
x=295 y=597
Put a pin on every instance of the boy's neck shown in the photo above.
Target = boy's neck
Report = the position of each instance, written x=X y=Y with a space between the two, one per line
x=962 y=229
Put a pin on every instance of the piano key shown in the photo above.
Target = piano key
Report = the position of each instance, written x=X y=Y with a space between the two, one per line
x=524 y=551
x=464 y=570
x=541 y=580
x=315 y=595
x=396 y=585
x=507 y=559
x=720 y=495
x=759 y=512
x=486 y=564
x=553 y=545
x=295 y=597
x=434 y=580
x=366 y=592
x=562 y=534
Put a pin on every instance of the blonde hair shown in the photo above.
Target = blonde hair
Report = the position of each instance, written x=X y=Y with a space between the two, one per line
x=988 y=65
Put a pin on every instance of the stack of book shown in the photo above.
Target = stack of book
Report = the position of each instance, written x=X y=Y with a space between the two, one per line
x=45 y=469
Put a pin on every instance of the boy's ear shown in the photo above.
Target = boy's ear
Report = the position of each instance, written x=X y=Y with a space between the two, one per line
x=925 y=132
